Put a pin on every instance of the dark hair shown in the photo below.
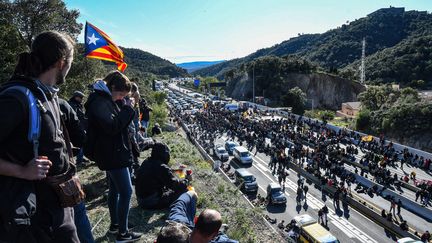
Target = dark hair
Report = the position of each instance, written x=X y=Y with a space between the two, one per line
x=46 y=49
x=207 y=223
x=173 y=232
x=117 y=81
x=134 y=87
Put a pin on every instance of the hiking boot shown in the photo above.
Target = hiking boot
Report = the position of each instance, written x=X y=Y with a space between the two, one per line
x=114 y=228
x=128 y=237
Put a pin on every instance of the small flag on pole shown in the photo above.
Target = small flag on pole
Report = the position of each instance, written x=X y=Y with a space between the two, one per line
x=99 y=45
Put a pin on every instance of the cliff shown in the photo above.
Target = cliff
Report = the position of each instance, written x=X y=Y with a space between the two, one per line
x=326 y=91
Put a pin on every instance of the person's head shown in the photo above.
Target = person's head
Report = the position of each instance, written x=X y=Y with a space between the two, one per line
x=78 y=96
x=161 y=153
x=49 y=59
x=118 y=84
x=174 y=232
x=208 y=224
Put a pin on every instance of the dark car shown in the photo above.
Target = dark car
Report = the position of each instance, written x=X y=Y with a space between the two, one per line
x=246 y=180
x=229 y=146
x=275 y=194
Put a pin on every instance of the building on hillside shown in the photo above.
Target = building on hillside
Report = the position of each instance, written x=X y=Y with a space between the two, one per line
x=426 y=95
x=349 y=109
x=390 y=10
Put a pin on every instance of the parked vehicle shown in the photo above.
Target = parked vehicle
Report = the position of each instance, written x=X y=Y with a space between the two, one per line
x=275 y=194
x=221 y=153
x=242 y=155
x=312 y=231
x=230 y=145
x=231 y=107
x=245 y=180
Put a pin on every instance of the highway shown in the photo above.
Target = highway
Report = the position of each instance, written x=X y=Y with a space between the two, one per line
x=346 y=224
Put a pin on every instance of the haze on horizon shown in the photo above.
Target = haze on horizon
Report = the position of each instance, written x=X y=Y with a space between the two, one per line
x=208 y=30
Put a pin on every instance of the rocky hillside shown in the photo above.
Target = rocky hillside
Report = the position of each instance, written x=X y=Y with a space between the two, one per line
x=326 y=91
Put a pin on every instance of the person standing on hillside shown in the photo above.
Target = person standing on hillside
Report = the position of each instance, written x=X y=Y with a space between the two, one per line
x=31 y=207
x=145 y=114
x=76 y=103
x=109 y=113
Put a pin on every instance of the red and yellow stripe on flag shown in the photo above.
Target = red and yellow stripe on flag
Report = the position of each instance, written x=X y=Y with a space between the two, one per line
x=100 y=46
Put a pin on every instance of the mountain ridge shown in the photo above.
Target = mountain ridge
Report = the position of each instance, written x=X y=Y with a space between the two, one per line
x=337 y=48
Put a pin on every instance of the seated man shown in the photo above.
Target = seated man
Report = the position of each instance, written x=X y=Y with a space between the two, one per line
x=156 y=186
x=182 y=214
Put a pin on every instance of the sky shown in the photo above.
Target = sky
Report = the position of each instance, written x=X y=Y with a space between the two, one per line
x=208 y=30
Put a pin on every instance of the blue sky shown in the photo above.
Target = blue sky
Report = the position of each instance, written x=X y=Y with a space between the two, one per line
x=203 y=30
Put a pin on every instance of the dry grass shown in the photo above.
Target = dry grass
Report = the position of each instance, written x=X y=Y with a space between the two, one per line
x=245 y=223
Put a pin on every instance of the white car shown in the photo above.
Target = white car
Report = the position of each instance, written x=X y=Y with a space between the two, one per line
x=408 y=240
x=221 y=153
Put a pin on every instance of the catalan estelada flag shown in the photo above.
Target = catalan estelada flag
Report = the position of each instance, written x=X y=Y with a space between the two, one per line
x=99 y=45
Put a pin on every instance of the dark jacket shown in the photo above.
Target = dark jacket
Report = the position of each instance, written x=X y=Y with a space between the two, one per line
x=108 y=130
x=145 y=111
x=73 y=124
x=18 y=197
x=154 y=175
x=79 y=110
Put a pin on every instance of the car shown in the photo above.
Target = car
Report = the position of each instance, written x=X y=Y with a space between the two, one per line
x=312 y=231
x=231 y=107
x=245 y=180
x=275 y=194
x=242 y=155
x=230 y=145
x=221 y=153
x=408 y=240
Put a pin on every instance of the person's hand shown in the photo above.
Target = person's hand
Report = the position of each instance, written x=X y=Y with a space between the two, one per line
x=130 y=102
x=36 y=169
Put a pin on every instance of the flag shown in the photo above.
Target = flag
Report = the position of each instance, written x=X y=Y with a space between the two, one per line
x=367 y=138
x=99 y=45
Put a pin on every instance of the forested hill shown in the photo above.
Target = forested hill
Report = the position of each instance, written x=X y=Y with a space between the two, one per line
x=140 y=61
x=340 y=47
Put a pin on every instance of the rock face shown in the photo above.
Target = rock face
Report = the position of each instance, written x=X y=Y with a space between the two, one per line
x=326 y=91
x=419 y=141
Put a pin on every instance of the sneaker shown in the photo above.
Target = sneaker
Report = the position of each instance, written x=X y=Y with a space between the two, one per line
x=114 y=228
x=128 y=237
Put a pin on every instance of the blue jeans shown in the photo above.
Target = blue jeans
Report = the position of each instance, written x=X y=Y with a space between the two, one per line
x=80 y=156
x=119 y=196
x=145 y=124
x=82 y=224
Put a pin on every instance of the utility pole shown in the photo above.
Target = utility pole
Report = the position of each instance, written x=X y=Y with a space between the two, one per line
x=362 y=68
x=253 y=83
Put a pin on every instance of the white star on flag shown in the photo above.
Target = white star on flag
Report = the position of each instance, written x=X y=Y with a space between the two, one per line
x=92 y=39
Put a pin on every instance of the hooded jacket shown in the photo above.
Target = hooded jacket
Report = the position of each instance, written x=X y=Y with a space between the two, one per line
x=154 y=174
x=18 y=196
x=108 y=129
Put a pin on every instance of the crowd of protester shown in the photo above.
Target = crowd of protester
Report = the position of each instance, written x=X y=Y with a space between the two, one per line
x=309 y=143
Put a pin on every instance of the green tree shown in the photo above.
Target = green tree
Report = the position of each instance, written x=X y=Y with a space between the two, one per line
x=10 y=42
x=363 y=120
x=375 y=97
x=84 y=71
x=35 y=16
x=159 y=97
x=296 y=99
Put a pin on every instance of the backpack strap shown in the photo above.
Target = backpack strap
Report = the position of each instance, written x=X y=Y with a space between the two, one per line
x=34 y=116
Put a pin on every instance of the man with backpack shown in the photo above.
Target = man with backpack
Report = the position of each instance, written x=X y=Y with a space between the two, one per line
x=35 y=157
